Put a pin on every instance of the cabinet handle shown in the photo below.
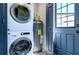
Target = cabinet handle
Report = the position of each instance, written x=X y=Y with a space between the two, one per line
x=3 y=20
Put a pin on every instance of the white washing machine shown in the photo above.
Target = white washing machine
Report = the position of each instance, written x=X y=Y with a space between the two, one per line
x=20 y=16
x=20 y=43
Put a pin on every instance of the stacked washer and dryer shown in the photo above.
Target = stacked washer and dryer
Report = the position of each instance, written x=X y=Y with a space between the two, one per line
x=20 y=29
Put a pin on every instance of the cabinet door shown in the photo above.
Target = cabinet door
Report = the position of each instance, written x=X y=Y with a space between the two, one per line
x=3 y=30
x=49 y=27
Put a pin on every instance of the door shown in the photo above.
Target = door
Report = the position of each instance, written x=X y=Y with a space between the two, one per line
x=49 y=28
x=21 y=46
x=20 y=13
x=3 y=31
x=66 y=28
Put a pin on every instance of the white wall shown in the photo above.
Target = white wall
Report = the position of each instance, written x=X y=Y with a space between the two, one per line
x=36 y=8
x=40 y=10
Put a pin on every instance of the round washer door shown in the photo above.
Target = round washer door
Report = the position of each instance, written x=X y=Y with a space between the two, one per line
x=20 y=13
x=20 y=46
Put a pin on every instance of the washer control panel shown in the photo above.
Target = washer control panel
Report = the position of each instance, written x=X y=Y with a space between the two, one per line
x=25 y=33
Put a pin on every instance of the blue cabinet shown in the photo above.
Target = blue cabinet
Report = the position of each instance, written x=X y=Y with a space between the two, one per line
x=49 y=27
x=3 y=29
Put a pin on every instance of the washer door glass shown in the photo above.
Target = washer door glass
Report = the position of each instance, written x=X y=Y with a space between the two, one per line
x=20 y=46
x=20 y=13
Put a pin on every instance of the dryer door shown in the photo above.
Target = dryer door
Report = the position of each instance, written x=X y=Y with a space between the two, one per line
x=20 y=46
x=20 y=13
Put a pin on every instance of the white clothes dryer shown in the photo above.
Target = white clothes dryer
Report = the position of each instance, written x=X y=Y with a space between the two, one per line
x=20 y=43
x=20 y=16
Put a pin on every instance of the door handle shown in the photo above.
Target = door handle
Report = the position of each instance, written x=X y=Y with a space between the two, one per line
x=3 y=20
x=77 y=25
x=77 y=31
